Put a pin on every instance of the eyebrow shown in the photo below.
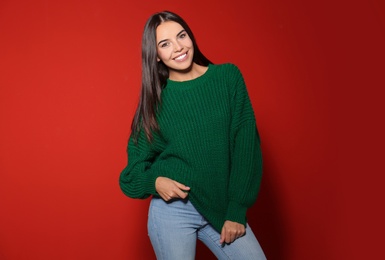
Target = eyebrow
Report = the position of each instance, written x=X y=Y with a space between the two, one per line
x=179 y=33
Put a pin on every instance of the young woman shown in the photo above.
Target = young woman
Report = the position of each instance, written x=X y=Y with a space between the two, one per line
x=194 y=147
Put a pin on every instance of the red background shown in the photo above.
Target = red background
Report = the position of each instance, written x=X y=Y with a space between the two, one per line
x=69 y=83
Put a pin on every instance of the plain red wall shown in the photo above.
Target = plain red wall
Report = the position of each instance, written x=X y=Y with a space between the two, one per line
x=69 y=82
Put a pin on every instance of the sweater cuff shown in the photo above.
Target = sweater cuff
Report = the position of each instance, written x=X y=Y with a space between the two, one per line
x=149 y=183
x=236 y=213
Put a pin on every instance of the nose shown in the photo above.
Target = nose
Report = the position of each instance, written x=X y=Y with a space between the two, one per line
x=178 y=47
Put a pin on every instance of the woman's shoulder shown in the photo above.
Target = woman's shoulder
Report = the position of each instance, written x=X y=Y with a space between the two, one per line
x=227 y=65
x=227 y=68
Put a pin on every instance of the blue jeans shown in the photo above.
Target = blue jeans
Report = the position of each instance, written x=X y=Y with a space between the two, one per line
x=174 y=227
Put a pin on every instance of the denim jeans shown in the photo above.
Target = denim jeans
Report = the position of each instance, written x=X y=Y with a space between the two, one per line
x=174 y=227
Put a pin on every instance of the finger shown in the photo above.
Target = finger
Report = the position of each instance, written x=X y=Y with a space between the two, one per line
x=180 y=194
x=222 y=238
x=230 y=238
x=240 y=233
x=182 y=186
x=226 y=235
x=183 y=195
x=165 y=197
x=168 y=196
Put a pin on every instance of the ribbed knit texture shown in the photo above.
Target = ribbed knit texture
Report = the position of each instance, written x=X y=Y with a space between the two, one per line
x=208 y=141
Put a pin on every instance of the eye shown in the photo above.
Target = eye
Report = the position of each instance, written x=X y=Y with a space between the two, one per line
x=183 y=35
x=164 y=44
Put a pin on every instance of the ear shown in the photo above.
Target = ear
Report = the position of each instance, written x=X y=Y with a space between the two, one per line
x=157 y=59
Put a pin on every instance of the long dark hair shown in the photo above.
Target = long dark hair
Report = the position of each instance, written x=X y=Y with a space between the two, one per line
x=155 y=74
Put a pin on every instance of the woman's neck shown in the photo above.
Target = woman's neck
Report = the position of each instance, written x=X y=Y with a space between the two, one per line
x=193 y=72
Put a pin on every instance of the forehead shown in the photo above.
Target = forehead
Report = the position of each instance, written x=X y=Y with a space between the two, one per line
x=167 y=30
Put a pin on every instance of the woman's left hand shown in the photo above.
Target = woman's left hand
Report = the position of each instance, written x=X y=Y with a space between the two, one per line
x=231 y=231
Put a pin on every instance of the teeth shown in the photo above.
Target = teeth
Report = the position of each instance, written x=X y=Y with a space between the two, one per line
x=180 y=57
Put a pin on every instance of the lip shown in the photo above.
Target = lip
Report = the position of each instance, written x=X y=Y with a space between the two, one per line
x=183 y=59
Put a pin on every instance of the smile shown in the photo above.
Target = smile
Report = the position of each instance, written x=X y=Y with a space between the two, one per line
x=181 y=57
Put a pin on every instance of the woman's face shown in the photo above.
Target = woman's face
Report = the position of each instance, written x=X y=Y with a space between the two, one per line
x=174 y=46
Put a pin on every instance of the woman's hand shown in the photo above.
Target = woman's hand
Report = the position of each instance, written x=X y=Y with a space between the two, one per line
x=231 y=231
x=169 y=189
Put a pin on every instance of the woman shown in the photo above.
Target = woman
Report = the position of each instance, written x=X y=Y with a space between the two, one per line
x=194 y=147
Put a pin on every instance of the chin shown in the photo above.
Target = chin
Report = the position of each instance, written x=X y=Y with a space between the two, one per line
x=186 y=66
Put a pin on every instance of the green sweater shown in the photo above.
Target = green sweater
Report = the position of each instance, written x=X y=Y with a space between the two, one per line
x=208 y=141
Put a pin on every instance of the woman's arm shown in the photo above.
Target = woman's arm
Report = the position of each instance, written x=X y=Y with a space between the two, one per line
x=137 y=180
x=246 y=156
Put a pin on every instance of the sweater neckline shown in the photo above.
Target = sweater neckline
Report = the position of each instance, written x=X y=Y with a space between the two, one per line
x=190 y=83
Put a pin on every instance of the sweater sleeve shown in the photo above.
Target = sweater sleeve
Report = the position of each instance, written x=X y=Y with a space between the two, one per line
x=137 y=180
x=246 y=156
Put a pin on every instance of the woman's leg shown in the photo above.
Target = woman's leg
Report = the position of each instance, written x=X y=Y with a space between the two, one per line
x=172 y=229
x=245 y=247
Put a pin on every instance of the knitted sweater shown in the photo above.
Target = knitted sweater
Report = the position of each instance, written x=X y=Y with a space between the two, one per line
x=208 y=141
